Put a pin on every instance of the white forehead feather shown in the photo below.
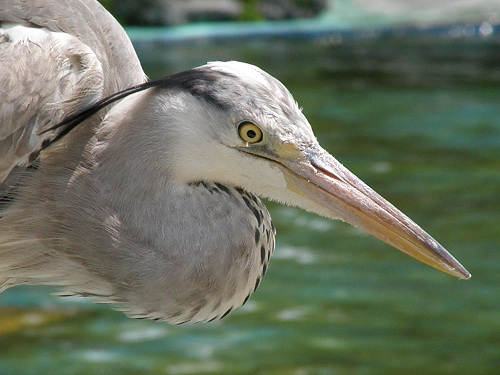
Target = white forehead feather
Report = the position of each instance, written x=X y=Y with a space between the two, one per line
x=241 y=69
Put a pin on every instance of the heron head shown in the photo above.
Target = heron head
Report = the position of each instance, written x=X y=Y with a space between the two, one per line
x=240 y=126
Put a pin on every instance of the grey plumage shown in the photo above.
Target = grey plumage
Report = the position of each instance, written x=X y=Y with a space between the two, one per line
x=150 y=202
x=51 y=65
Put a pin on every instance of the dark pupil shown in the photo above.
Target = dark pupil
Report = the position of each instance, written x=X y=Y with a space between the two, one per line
x=251 y=134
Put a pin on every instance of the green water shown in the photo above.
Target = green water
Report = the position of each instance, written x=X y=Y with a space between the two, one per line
x=418 y=119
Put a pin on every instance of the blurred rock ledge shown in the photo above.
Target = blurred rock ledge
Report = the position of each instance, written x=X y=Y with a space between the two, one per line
x=175 y=12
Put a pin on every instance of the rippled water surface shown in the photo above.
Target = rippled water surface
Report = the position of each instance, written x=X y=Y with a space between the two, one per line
x=418 y=119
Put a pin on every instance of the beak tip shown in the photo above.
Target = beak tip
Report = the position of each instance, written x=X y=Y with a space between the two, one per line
x=458 y=271
x=464 y=274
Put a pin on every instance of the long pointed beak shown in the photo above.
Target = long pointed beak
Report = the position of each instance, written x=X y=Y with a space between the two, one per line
x=339 y=194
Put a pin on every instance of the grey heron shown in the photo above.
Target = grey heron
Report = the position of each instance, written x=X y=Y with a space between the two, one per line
x=144 y=193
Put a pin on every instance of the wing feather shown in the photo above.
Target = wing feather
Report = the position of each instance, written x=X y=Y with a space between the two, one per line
x=44 y=76
x=56 y=58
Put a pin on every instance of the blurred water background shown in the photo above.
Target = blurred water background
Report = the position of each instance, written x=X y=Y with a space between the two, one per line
x=410 y=106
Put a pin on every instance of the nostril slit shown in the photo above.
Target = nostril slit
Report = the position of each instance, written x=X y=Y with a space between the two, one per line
x=325 y=172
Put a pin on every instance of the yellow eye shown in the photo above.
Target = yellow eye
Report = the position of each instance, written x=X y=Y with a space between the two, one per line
x=249 y=132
